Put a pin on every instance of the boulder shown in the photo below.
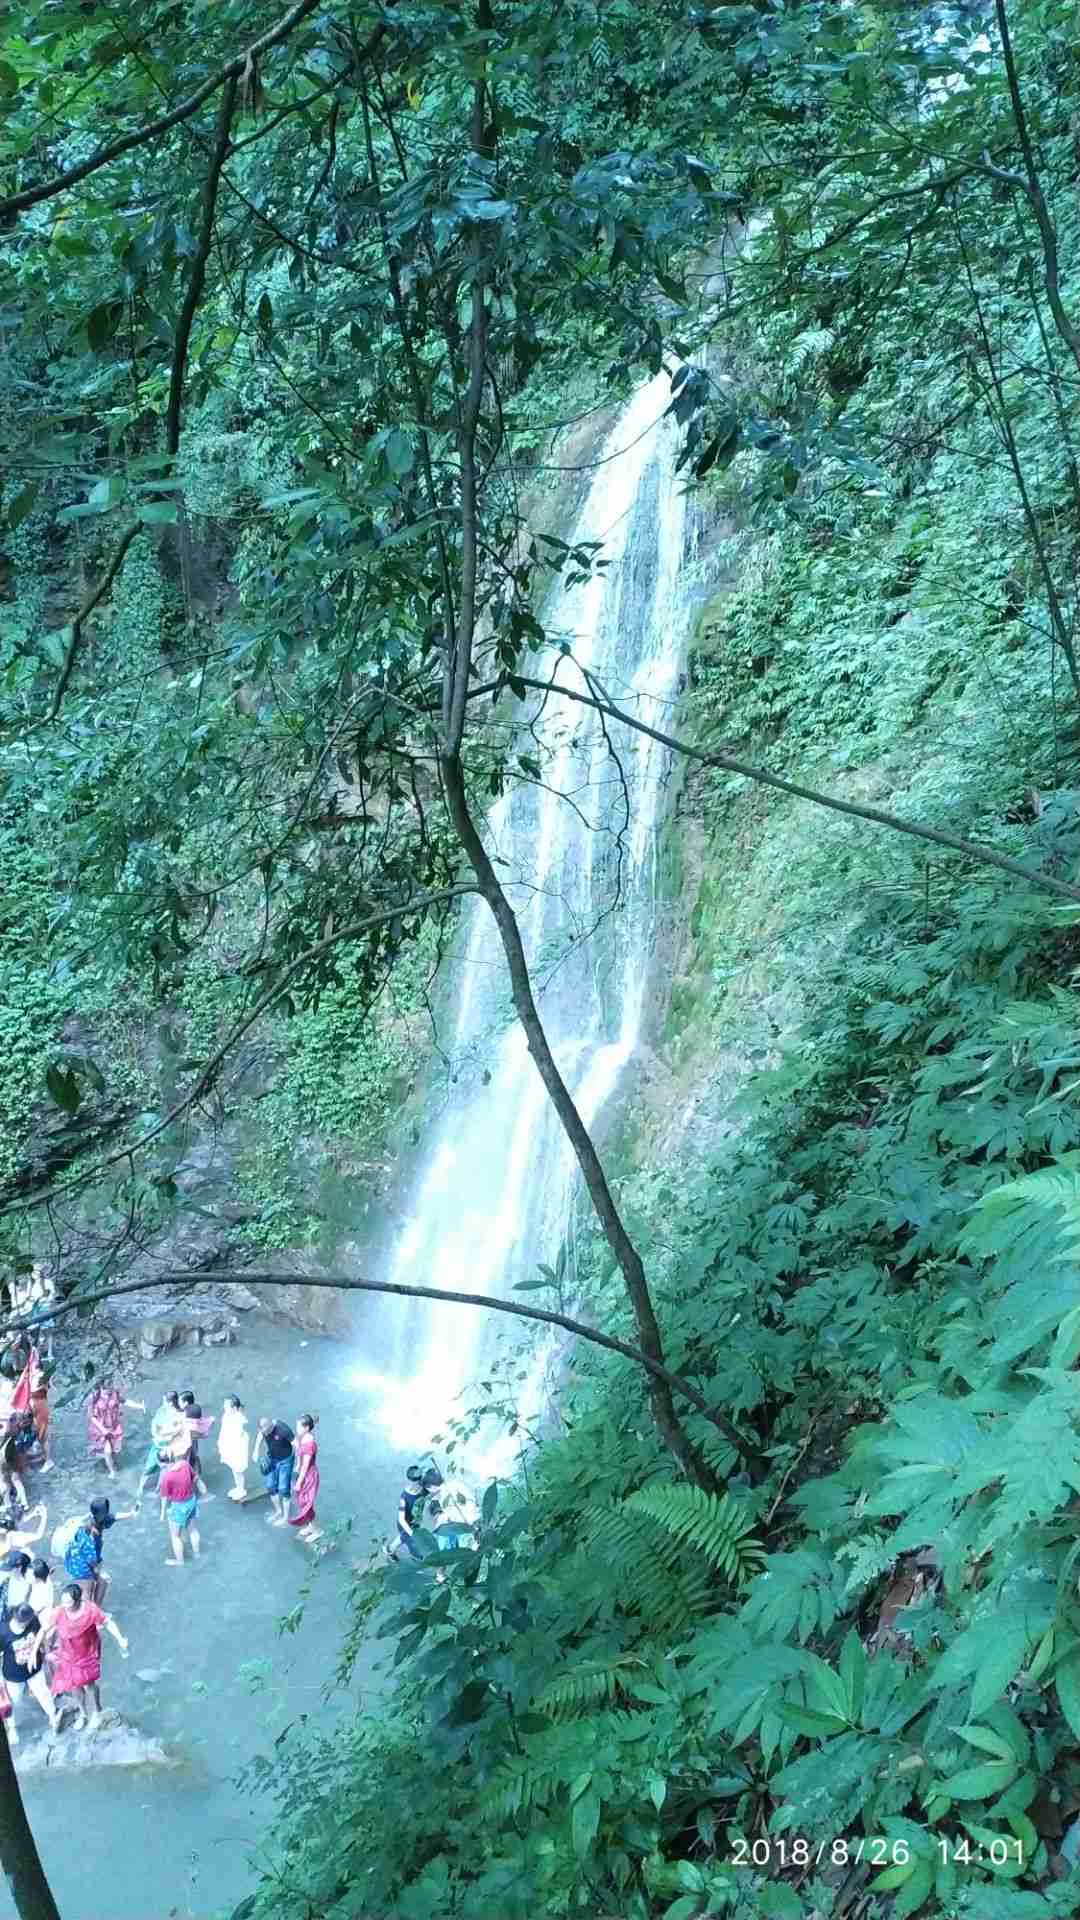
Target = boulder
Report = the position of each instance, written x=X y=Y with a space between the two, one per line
x=207 y=1330
x=112 y=1743
x=156 y=1336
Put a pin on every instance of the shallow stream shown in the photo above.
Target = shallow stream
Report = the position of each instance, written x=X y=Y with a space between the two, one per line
x=146 y=1843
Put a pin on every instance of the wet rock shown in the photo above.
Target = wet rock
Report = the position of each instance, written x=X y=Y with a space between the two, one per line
x=206 y=1330
x=112 y=1743
x=156 y=1336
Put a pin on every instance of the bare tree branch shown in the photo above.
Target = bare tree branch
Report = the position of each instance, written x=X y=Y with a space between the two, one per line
x=939 y=837
x=674 y=1382
x=274 y=993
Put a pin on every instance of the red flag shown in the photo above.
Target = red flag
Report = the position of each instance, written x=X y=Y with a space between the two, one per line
x=20 y=1398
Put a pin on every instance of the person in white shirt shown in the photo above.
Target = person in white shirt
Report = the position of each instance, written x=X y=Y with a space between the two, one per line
x=42 y=1594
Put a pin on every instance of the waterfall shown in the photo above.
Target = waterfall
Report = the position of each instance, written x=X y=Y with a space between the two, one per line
x=576 y=851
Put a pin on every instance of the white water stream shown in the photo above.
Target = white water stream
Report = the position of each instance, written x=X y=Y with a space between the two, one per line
x=495 y=1190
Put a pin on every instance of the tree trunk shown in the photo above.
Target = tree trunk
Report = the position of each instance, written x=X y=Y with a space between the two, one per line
x=626 y=1254
x=23 y=1871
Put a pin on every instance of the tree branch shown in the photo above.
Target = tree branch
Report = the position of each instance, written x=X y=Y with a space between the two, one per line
x=84 y=613
x=1033 y=188
x=209 y=1072
x=727 y=762
x=32 y=196
x=19 y=1858
x=197 y=276
x=674 y=1382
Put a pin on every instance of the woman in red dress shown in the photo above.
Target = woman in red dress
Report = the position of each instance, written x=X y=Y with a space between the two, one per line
x=105 y=1423
x=306 y=1485
x=75 y=1630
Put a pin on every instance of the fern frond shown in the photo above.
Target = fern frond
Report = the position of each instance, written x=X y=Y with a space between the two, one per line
x=594 y=1683
x=713 y=1524
x=645 y=1566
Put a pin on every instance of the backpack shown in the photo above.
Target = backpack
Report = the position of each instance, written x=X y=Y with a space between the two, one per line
x=64 y=1535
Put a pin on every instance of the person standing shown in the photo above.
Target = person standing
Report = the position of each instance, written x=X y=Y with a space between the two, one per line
x=198 y=1427
x=105 y=1422
x=306 y=1489
x=22 y=1666
x=276 y=1444
x=74 y=1627
x=40 y=1375
x=411 y=1493
x=234 y=1445
x=180 y=1507
x=169 y=1437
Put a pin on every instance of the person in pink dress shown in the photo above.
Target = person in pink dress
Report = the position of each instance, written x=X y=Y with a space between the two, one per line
x=105 y=1423
x=306 y=1485
x=74 y=1627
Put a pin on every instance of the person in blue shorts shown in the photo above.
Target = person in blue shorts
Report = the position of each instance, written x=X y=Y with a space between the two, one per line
x=276 y=1464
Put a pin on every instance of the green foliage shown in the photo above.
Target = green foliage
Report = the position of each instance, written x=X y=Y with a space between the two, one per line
x=869 y=1260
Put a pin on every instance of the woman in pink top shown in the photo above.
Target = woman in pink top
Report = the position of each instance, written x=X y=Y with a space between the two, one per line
x=180 y=1506
x=105 y=1423
x=306 y=1485
x=75 y=1629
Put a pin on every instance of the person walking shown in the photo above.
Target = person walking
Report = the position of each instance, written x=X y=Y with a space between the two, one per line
x=12 y=1488
x=22 y=1666
x=306 y=1488
x=74 y=1629
x=105 y=1422
x=276 y=1446
x=42 y=1594
x=234 y=1445
x=180 y=1507
x=16 y=1580
x=83 y=1551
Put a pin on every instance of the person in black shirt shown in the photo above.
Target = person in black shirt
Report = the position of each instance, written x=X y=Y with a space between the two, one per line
x=411 y=1492
x=22 y=1663
x=276 y=1466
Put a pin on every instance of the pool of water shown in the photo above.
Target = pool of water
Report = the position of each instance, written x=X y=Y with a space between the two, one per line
x=152 y=1844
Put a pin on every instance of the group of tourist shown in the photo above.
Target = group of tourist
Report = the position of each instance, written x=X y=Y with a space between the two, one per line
x=50 y=1644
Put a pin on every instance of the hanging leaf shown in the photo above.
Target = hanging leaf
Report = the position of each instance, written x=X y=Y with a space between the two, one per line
x=399 y=453
x=23 y=503
x=102 y=323
x=1067 y=1680
x=63 y=1089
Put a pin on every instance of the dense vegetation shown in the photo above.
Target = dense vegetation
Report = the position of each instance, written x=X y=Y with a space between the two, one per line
x=849 y=1681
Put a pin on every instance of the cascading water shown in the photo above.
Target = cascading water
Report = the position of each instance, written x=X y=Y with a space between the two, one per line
x=495 y=1191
